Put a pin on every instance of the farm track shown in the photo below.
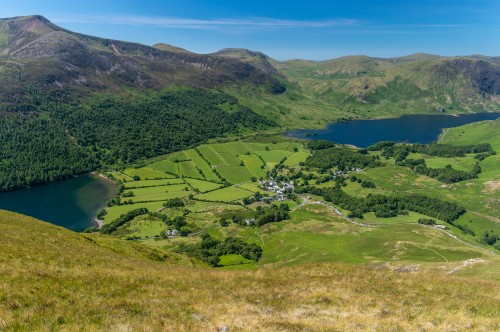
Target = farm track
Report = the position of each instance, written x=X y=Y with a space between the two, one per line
x=306 y=202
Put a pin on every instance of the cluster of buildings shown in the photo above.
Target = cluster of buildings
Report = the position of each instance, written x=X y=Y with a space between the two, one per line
x=172 y=232
x=345 y=173
x=272 y=186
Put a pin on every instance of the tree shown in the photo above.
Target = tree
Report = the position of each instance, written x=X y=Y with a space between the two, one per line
x=184 y=231
x=213 y=260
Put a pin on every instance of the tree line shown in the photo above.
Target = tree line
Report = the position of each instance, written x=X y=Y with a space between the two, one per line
x=387 y=206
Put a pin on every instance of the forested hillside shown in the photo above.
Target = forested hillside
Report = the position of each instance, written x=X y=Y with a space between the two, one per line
x=59 y=140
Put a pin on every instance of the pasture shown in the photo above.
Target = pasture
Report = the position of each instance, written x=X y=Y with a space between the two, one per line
x=228 y=194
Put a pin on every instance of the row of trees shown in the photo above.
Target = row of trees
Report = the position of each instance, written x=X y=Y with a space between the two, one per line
x=273 y=213
x=387 y=206
x=448 y=174
x=440 y=150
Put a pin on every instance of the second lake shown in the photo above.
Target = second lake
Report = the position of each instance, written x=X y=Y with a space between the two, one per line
x=407 y=128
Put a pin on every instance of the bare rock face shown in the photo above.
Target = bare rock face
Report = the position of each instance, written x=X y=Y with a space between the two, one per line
x=483 y=75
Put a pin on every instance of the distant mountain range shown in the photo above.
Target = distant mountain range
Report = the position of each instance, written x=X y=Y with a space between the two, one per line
x=35 y=52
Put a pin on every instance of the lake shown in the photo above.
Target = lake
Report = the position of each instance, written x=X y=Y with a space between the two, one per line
x=407 y=128
x=72 y=203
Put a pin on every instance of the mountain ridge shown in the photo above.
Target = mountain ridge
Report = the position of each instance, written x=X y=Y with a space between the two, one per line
x=44 y=54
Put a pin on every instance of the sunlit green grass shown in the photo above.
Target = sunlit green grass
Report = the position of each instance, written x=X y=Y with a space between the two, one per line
x=228 y=194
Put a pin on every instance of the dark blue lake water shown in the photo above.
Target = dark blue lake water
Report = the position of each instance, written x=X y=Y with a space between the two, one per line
x=408 y=128
x=71 y=203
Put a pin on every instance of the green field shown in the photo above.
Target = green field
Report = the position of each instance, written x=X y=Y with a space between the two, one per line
x=315 y=233
x=188 y=169
x=474 y=133
x=463 y=164
x=252 y=186
x=235 y=174
x=160 y=192
x=273 y=156
x=213 y=157
x=236 y=262
x=207 y=172
x=142 y=228
x=254 y=165
x=151 y=183
x=115 y=211
x=295 y=158
x=147 y=173
x=228 y=194
x=203 y=186
x=166 y=166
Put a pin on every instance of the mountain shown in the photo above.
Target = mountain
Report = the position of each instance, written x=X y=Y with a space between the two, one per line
x=170 y=48
x=71 y=102
x=417 y=83
x=35 y=51
x=54 y=279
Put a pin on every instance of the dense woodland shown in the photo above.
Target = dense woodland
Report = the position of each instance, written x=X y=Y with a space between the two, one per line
x=35 y=151
x=341 y=157
x=54 y=137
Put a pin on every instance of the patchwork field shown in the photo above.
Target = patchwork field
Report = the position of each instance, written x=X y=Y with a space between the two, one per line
x=213 y=180
x=146 y=173
x=194 y=172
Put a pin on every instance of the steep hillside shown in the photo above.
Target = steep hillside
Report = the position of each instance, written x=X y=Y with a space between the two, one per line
x=36 y=52
x=418 y=83
x=54 y=279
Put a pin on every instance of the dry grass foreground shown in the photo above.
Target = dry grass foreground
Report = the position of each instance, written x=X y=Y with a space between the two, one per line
x=54 y=279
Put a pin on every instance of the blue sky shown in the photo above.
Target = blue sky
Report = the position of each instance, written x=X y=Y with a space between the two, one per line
x=313 y=30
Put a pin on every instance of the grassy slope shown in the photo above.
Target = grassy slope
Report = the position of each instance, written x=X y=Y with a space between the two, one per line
x=474 y=133
x=55 y=279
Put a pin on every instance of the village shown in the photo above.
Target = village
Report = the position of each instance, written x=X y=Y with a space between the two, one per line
x=280 y=190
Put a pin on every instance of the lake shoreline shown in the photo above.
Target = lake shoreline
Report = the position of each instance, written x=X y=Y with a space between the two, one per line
x=414 y=128
x=72 y=203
